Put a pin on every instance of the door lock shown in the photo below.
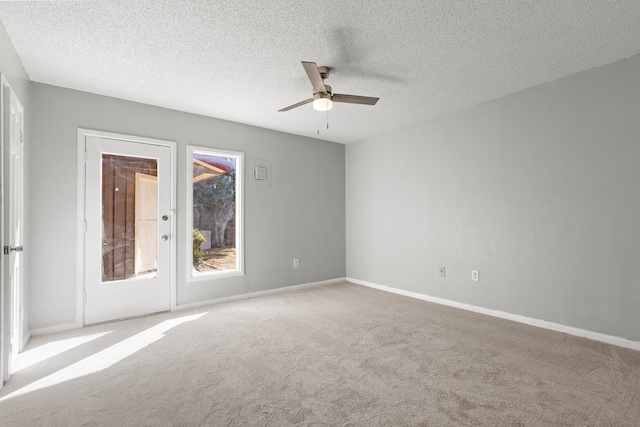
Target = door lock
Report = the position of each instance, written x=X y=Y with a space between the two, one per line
x=165 y=217
x=165 y=238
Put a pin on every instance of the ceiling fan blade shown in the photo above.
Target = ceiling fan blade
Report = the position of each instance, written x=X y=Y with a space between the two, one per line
x=314 y=75
x=354 y=99
x=291 y=107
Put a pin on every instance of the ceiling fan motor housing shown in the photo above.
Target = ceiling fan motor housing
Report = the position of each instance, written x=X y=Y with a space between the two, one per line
x=324 y=72
x=322 y=94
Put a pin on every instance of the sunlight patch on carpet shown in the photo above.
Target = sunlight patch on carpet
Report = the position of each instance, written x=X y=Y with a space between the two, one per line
x=105 y=358
x=52 y=349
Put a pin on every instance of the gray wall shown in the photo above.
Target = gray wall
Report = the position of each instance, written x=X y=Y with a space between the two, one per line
x=539 y=191
x=300 y=216
x=13 y=70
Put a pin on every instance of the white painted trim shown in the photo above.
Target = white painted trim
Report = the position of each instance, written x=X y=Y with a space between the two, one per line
x=3 y=314
x=191 y=149
x=56 y=328
x=596 y=336
x=212 y=301
x=76 y=325
x=174 y=223
x=25 y=340
x=296 y=287
x=258 y=294
x=81 y=208
x=6 y=325
x=209 y=275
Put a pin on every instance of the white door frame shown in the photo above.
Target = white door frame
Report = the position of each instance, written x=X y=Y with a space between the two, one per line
x=81 y=221
x=9 y=309
x=3 y=316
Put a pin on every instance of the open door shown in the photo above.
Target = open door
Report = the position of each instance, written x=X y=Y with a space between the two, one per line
x=12 y=227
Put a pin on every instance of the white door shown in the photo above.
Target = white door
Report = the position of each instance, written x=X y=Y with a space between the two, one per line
x=128 y=262
x=13 y=140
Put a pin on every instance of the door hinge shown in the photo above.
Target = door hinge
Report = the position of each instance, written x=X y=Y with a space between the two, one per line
x=84 y=226
x=85 y=157
x=85 y=296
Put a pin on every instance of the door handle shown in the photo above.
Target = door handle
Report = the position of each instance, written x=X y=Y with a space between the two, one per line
x=9 y=249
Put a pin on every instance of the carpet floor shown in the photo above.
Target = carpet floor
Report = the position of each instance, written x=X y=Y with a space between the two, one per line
x=335 y=355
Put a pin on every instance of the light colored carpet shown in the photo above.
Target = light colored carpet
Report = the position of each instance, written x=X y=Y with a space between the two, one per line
x=337 y=355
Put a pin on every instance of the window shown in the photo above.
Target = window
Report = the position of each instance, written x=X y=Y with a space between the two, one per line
x=216 y=221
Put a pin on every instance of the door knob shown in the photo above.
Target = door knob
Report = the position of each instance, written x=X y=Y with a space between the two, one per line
x=9 y=249
x=165 y=238
x=165 y=217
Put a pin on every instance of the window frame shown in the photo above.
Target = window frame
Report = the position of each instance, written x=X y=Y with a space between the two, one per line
x=239 y=193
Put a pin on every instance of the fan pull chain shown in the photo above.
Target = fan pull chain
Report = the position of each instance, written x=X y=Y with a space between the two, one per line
x=318 y=122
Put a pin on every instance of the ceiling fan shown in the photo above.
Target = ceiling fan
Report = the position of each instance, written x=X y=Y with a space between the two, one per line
x=323 y=98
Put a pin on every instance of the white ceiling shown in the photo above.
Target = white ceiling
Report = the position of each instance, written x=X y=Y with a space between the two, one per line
x=239 y=60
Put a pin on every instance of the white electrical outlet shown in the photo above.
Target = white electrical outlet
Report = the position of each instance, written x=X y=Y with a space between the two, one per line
x=296 y=262
x=443 y=272
x=474 y=275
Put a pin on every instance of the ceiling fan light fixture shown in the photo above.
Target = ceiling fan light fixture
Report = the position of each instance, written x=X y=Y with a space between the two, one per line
x=322 y=102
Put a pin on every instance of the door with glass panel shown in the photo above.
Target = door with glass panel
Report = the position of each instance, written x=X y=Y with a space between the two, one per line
x=128 y=229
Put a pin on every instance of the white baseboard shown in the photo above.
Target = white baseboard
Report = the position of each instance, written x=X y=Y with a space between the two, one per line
x=25 y=340
x=296 y=287
x=76 y=325
x=257 y=294
x=56 y=328
x=210 y=302
x=596 y=336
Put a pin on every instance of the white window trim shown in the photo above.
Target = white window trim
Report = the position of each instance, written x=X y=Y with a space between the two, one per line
x=239 y=271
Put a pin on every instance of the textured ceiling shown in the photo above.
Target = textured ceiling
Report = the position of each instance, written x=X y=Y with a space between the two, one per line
x=240 y=60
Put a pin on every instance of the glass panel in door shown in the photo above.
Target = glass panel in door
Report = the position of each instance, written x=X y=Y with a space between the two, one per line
x=129 y=217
